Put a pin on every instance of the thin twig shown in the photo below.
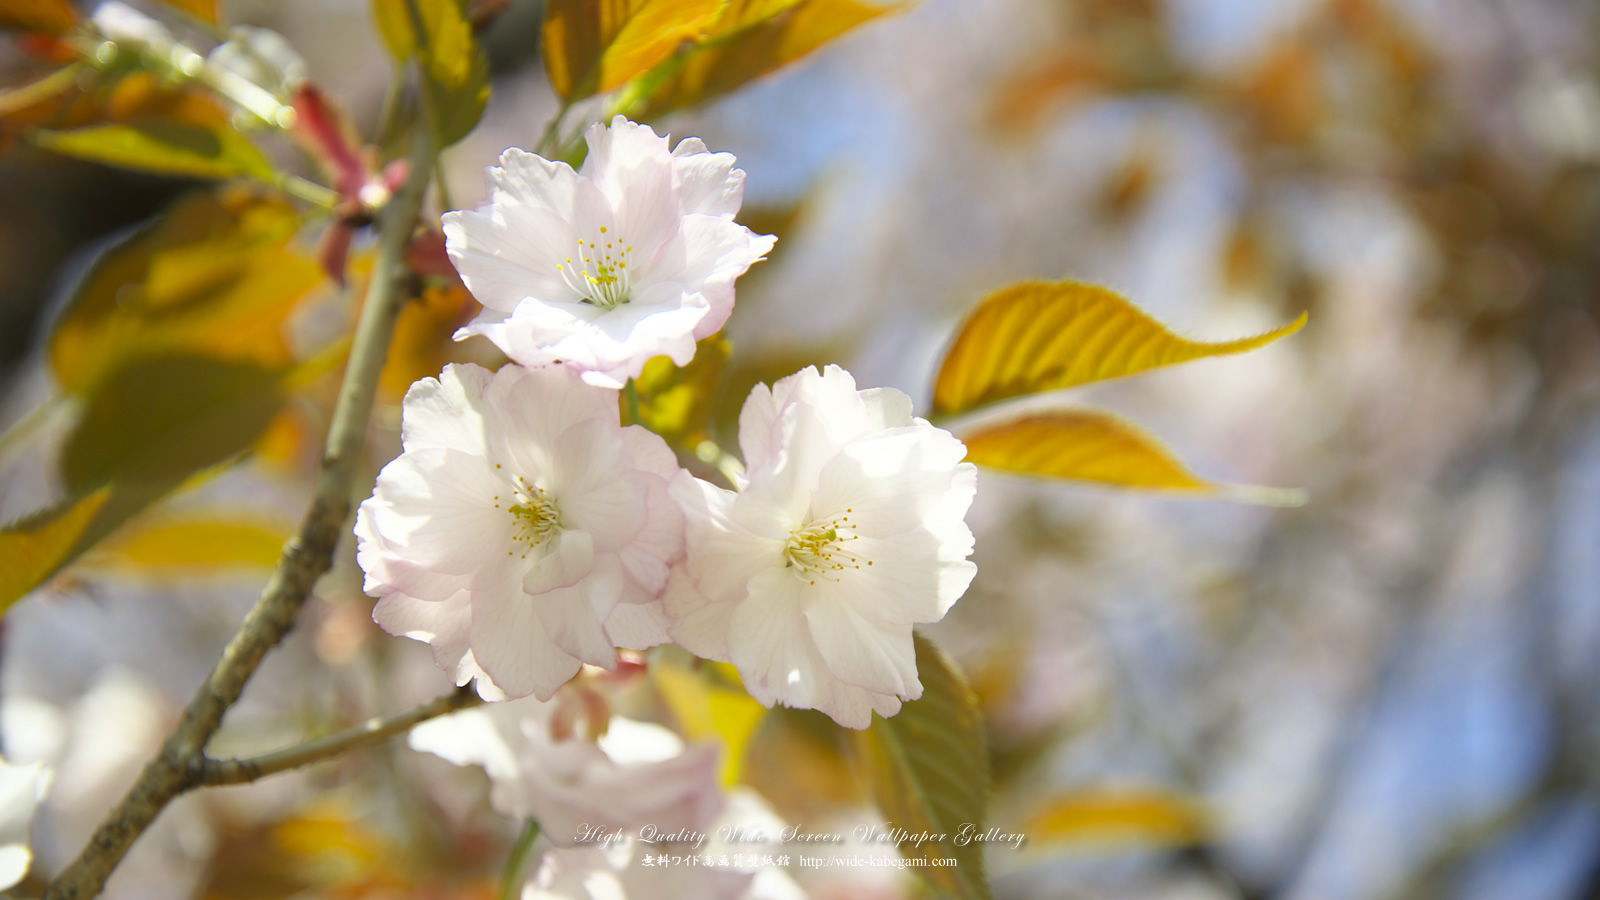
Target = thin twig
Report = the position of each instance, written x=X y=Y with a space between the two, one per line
x=373 y=731
x=177 y=767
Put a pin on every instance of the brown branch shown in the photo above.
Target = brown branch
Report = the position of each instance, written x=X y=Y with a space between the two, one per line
x=373 y=731
x=180 y=762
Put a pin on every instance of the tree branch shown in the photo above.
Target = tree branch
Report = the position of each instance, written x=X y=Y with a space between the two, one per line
x=373 y=731
x=178 y=765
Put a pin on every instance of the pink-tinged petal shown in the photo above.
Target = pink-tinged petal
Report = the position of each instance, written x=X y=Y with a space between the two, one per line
x=433 y=622
x=892 y=480
x=436 y=507
x=568 y=562
x=695 y=621
x=510 y=254
x=524 y=177
x=537 y=408
x=886 y=408
x=638 y=626
x=721 y=555
x=769 y=642
x=511 y=644
x=568 y=615
x=447 y=412
x=707 y=182
x=630 y=164
x=858 y=650
x=388 y=570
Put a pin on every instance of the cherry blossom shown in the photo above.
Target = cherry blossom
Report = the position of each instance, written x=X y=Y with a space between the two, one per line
x=847 y=529
x=631 y=257
x=523 y=531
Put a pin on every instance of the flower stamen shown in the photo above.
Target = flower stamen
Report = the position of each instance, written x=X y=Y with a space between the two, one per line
x=536 y=514
x=600 y=276
x=819 y=547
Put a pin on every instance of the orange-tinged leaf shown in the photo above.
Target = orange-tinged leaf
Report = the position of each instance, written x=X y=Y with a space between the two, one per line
x=1087 y=445
x=49 y=16
x=592 y=46
x=707 y=711
x=204 y=10
x=192 y=544
x=1043 y=336
x=216 y=274
x=34 y=548
x=422 y=343
x=754 y=39
x=1104 y=815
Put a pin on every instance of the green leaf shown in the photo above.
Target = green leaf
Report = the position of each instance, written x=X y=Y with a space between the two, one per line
x=751 y=39
x=160 y=419
x=1086 y=445
x=455 y=68
x=929 y=770
x=1042 y=336
x=176 y=148
x=592 y=46
x=217 y=275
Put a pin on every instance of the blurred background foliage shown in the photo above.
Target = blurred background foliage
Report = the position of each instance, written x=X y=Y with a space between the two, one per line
x=1389 y=692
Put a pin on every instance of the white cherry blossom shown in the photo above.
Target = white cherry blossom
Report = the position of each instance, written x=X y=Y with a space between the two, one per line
x=21 y=788
x=523 y=531
x=848 y=528
x=633 y=256
x=637 y=775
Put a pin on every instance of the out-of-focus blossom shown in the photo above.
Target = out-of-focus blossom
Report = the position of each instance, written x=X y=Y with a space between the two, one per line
x=636 y=775
x=632 y=257
x=848 y=529
x=119 y=22
x=262 y=57
x=517 y=523
x=634 y=869
x=21 y=788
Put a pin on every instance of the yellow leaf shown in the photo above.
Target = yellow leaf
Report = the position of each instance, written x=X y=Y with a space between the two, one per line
x=708 y=711
x=49 y=16
x=204 y=10
x=457 y=70
x=171 y=545
x=164 y=147
x=35 y=548
x=1042 y=336
x=217 y=274
x=596 y=45
x=1085 y=445
x=1146 y=816
x=753 y=39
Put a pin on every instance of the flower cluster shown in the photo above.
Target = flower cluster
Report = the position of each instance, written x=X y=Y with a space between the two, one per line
x=524 y=531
